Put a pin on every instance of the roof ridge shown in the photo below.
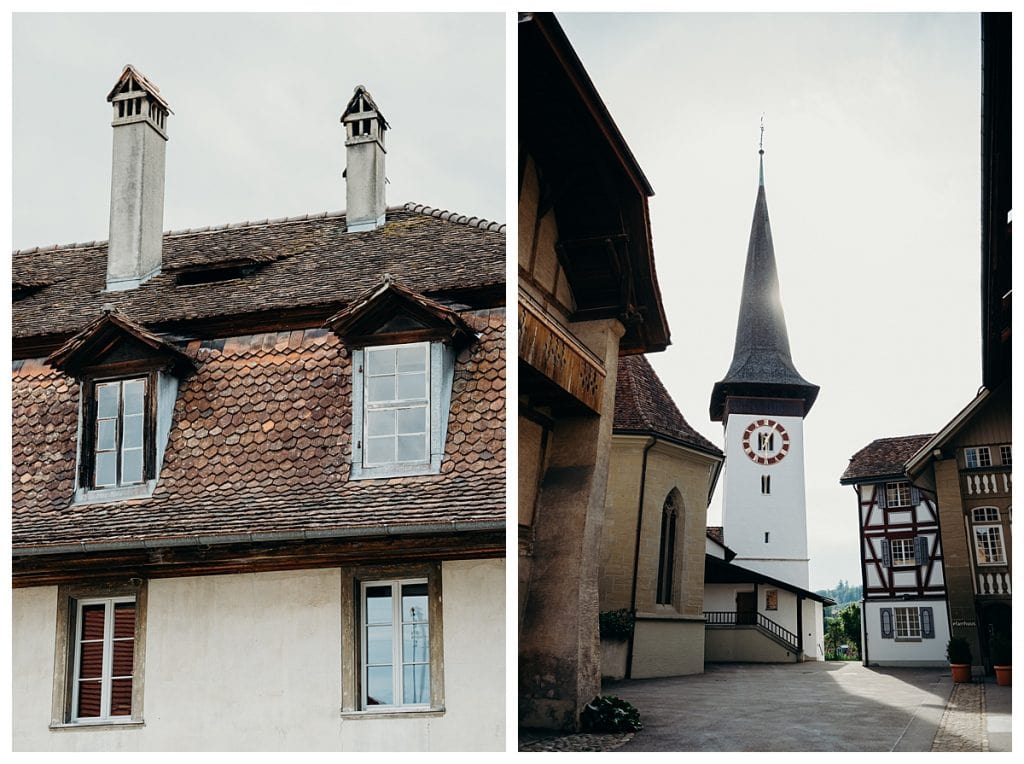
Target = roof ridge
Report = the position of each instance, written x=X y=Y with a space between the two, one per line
x=452 y=217
x=455 y=217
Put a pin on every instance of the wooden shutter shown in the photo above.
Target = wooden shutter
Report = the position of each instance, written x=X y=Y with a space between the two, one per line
x=915 y=496
x=921 y=550
x=886 y=554
x=927 y=623
x=886 y=620
x=880 y=495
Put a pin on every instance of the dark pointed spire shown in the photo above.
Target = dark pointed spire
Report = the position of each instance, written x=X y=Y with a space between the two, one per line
x=762 y=366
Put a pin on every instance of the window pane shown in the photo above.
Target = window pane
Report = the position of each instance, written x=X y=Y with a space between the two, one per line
x=412 y=420
x=132 y=431
x=90 y=660
x=415 y=643
x=106 y=468
x=134 y=396
x=131 y=466
x=380 y=389
x=380 y=361
x=89 y=699
x=378 y=686
x=411 y=386
x=121 y=697
x=124 y=620
x=124 y=658
x=380 y=422
x=380 y=450
x=414 y=602
x=416 y=683
x=378 y=645
x=107 y=400
x=106 y=435
x=412 y=448
x=412 y=359
x=378 y=604
x=92 y=621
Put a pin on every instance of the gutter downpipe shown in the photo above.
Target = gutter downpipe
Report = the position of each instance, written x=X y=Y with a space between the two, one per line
x=636 y=555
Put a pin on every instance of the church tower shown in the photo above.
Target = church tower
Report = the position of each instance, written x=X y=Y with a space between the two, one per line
x=762 y=402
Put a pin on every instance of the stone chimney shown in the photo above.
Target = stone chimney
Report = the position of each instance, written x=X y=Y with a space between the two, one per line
x=364 y=158
x=136 y=181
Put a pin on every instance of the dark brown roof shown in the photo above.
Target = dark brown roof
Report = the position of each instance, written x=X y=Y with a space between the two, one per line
x=715 y=533
x=261 y=444
x=883 y=458
x=299 y=262
x=643 y=405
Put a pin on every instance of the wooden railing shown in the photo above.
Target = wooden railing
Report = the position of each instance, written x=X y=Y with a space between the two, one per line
x=987 y=483
x=993 y=582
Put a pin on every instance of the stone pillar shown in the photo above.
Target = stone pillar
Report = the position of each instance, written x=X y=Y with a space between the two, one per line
x=559 y=648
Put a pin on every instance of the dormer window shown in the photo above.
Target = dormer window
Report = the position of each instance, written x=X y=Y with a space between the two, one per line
x=128 y=384
x=120 y=433
x=403 y=349
x=396 y=401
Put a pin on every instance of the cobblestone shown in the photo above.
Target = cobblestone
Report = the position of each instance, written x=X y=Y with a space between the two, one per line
x=582 y=741
x=962 y=728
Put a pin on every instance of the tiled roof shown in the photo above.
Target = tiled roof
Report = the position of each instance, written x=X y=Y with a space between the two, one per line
x=884 y=457
x=298 y=262
x=715 y=533
x=260 y=444
x=642 y=404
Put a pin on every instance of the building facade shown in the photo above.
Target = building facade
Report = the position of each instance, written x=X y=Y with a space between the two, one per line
x=588 y=294
x=661 y=478
x=904 y=618
x=259 y=469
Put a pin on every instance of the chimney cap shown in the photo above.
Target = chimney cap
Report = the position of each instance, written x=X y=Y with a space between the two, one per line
x=130 y=73
x=358 y=109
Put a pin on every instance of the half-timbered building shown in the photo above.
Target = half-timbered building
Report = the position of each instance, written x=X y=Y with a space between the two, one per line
x=259 y=471
x=904 y=618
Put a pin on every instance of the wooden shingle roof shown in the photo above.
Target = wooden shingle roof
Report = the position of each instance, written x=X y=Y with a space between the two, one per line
x=882 y=458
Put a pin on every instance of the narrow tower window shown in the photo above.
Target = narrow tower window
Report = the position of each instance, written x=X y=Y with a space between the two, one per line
x=766 y=484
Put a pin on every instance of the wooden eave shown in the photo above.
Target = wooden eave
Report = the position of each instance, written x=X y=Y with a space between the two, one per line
x=152 y=559
x=591 y=179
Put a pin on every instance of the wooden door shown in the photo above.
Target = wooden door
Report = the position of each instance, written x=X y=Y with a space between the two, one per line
x=746 y=609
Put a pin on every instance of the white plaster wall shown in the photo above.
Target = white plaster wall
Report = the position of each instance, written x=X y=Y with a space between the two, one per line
x=747 y=514
x=889 y=652
x=253 y=662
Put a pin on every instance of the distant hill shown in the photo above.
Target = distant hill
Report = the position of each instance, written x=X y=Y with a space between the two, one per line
x=843 y=594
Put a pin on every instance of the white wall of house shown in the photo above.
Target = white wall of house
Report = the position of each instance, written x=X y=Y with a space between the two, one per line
x=893 y=652
x=722 y=597
x=253 y=662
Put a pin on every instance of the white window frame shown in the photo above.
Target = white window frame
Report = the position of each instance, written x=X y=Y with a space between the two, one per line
x=977 y=457
x=894 y=495
x=106 y=677
x=985 y=515
x=398 y=661
x=1006 y=455
x=118 y=420
x=996 y=551
x=397 y=404
x=904 y=552
x=440 y=376
x=907 y=623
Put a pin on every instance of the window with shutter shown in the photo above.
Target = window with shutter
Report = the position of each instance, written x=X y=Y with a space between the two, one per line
x=885 y=618
x=921 y=549
x=886 y=553
x=927 y=623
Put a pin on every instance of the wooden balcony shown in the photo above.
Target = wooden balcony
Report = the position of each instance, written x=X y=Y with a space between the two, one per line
x=985 y=483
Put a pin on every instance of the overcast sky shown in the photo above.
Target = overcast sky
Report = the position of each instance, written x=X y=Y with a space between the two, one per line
x=872 y=178
x=256 y=102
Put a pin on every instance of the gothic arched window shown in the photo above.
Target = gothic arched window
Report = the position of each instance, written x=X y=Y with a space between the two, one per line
x=667 y=551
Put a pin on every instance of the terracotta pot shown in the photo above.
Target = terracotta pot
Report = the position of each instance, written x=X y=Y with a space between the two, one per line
x=961 y=672
x=1003 y=675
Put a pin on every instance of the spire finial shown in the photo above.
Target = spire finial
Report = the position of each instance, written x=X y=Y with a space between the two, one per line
x=760 y=151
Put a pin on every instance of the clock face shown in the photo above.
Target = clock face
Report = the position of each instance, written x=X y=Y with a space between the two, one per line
x=765 y=441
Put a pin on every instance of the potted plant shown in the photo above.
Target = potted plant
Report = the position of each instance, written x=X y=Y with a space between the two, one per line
x=1001 y=652
x=958 y=651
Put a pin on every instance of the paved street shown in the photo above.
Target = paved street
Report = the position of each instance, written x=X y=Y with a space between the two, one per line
x=806 y=707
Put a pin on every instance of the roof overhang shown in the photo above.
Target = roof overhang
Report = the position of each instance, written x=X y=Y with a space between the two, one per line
x=920 y=460
x=718 y=571
x=593 y=182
